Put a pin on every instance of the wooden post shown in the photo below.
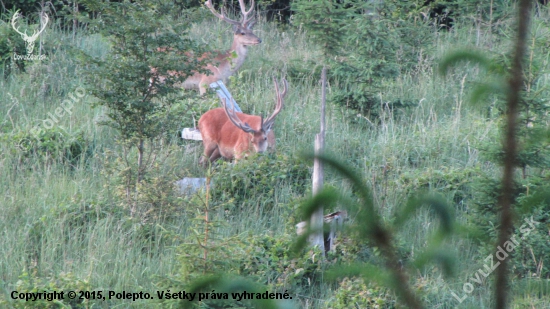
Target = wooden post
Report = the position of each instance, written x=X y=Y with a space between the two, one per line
x=317 y=221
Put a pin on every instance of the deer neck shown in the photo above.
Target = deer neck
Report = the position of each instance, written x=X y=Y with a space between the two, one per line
x=240 y=50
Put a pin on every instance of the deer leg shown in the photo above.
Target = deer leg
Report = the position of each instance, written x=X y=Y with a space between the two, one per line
x=215 y=155
x=209 y=151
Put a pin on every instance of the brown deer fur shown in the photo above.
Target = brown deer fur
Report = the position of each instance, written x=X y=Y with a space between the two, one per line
x=232 y=135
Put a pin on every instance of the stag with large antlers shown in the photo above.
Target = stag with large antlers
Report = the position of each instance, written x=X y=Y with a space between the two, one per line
x=224 y=64
x=232 y=135
x=28 y=39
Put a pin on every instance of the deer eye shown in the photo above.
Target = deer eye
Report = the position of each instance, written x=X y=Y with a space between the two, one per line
x=242 y=33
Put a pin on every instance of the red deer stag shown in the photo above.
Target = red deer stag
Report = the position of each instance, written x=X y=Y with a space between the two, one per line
x=232 y=135
x=224 y=64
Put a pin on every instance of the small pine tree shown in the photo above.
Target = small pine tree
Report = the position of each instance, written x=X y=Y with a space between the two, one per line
x=142 y=115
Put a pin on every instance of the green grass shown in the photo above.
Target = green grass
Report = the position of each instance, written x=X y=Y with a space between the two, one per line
x=56 y=219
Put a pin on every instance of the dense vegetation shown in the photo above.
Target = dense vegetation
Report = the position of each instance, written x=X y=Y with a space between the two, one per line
x=89 y=196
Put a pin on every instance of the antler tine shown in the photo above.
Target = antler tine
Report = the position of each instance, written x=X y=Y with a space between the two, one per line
x=222 y=16
x=13 y=19
x=34 y=35
x=244 y=12
x=234 y=119
x=278 y=106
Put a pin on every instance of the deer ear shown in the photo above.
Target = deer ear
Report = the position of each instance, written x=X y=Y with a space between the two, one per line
x=250 y=25
x=235 y=28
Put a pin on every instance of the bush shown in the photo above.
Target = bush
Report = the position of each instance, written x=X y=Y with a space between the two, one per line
x=10 y=42
x=264 y=259
x=455 y=183
x=268 y=260
x=257 y=178
x=363 y=43
x=155 y=197
x=355 y=293
x=50 y=145
x=31 y=283
x=532 y=255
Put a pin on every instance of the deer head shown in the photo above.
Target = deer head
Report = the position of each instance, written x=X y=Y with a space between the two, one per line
x=224 y=64
x=258 y=137
x=28 y=39
x=242 y=29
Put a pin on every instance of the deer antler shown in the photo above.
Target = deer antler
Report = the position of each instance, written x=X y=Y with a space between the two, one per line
x=13 y=20
x=244 y=20
x=222 y=15
x=25 y=36
x=35 y=35
x=266 y=125
x=28 y=39
x=236 y=121
x=244 y=12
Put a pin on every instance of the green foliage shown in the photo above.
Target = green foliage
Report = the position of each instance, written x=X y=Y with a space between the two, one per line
x=533 y=156
x=362 y=49
x=368 y=225
x=10 y=42
x=243 y=184
x=324 y=21
x=29 y=282
x=142 y=109
x=209 y=254
x=265 y=260
x=121 y=81
x=50 y=145
x=366 y=105
x=531 y=256
x=356 y=293
x=154 y=197
x=268 y=260
x=28 y=7
x=54 y=220
x=456 y=184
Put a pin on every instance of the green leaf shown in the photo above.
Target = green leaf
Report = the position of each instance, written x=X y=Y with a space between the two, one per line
x=483 y=90
x=456 y=57
x=433 y=202
x=368 y=271
x=435 y=253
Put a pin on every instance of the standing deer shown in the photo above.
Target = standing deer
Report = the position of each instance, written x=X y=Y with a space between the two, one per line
x=232 y=135
x=224 y=63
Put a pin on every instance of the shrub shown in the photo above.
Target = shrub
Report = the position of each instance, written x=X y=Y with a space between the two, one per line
x=266 y=260
x=31 y=283
x=363 y=44
x=532 y=255
x=156 y=196
x=355 y=293
x=51 y=145
x=456 y=183
x=10 y=42
x=257 y=177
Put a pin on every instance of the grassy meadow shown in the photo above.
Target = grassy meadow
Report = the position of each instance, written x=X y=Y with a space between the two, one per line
x=64 y=226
